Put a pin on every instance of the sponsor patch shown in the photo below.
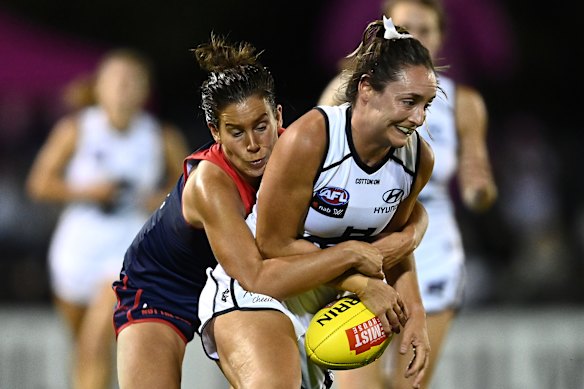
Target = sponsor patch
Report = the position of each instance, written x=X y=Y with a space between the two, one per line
x=365 y=335
x=393 y=196
x=331 y=201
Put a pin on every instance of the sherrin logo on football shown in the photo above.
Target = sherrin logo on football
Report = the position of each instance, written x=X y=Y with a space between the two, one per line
x=345 y=335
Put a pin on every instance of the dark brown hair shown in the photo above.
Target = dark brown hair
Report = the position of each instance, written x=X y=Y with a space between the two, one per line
x=235 y=74
x=381 y=59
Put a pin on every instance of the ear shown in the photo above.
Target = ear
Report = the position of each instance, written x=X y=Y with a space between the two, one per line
x=279 y=117
x=214 y=132
x=365 y=89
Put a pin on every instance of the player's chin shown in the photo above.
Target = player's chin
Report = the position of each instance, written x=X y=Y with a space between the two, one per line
x=255 y=172
x=258 y=169
x=399 y=139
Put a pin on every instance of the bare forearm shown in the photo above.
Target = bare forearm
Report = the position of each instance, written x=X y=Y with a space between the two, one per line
x=404 y=279
x=284 y=277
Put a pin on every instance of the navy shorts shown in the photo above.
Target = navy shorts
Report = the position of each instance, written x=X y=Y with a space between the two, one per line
x=137 y=305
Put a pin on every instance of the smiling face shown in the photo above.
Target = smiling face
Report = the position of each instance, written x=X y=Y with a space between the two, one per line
x=247 y=132
x=396 y=111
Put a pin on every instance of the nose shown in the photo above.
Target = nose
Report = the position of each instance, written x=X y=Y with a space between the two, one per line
x=252 y=143
x=418 y=116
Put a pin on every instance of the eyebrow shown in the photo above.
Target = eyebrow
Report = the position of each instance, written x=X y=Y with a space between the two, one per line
x=257 y=120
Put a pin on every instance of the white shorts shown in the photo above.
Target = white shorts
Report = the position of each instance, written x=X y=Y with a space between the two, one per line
x=87 y=251
x=440 y=265
x=223 y=294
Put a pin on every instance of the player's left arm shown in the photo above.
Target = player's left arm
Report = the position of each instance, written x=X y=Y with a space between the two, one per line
x=475 y=177
x=403 y=277
x=395 y=245
x=410 y=221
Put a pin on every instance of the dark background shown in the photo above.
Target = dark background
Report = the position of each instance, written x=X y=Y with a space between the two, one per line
x=527 y=249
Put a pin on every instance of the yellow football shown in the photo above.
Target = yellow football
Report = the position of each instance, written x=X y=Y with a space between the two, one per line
x=345 y=335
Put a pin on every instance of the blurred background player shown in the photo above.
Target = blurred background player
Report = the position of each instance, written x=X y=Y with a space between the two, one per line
x=456 y=128
x=110 y=163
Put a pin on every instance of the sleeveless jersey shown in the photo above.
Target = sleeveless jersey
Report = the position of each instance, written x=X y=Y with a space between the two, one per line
x=440 y=132
x=89 y=241
x=350 y=199
x=133 y=157
x=168 y=257
x=440 y=257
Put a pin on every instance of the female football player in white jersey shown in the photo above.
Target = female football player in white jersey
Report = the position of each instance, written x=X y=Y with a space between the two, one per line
x=110 y=164
x=338 y=173
x=456 y=126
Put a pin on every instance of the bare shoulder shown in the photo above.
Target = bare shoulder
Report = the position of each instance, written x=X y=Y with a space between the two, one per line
x=471 y=111
x=306 y=135
x=67 y=126
x=64 y=134
x=209 y=190
x=468 y=99
x=172 y=134
x=296 y=158
x=330 y=93
x=208 y=181
x=175 y=142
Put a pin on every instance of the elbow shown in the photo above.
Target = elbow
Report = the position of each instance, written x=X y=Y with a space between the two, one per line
x=272 y=245
x=266 y=248
x=264 y=282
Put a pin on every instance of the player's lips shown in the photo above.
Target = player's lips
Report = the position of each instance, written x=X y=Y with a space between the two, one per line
x=406 y=130
x=258 y=163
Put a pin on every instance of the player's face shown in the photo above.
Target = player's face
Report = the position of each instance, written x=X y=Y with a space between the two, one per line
x=248 y=131
x=400 y=107
x=122 y=85
x=421 y=21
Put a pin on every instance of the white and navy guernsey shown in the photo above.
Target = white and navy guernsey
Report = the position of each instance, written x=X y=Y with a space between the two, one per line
x=350 y=199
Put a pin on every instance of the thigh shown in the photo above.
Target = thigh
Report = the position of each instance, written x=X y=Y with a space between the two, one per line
x=258 y=349
x=149 y=355
x=98 y=318
x=72 y=313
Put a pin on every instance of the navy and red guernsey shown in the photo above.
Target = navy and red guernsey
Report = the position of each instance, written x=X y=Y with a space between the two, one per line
x=164 y=268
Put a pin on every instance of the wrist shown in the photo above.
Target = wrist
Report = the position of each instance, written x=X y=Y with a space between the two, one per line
x=348 y=255
x=416 y=310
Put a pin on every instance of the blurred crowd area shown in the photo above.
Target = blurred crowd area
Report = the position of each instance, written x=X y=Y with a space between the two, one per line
x=527 y=249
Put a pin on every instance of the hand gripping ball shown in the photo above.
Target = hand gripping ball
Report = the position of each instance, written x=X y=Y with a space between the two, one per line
x=345 y=335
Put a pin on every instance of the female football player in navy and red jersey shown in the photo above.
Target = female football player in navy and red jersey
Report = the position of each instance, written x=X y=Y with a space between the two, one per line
x=202 y=220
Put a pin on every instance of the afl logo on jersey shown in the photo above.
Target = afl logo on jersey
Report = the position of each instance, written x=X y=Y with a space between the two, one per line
x=330 y=201
x=393 y=196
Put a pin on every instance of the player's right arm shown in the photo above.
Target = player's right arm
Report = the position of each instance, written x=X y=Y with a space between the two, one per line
x=211 y=201
x=46 y=179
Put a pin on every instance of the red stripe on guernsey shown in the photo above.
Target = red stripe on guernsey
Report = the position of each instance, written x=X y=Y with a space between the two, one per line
x=215 y=155
x=136 y=302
